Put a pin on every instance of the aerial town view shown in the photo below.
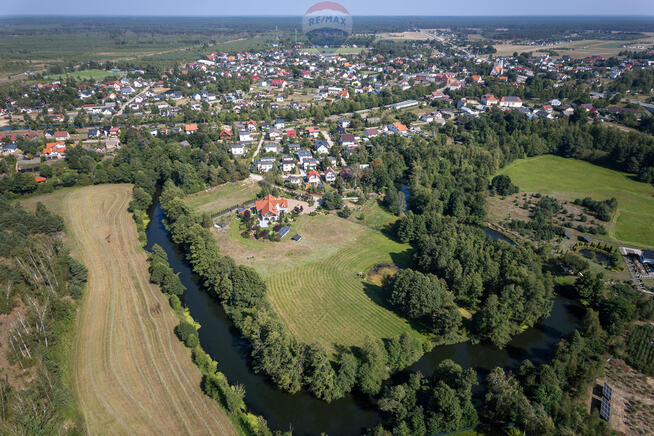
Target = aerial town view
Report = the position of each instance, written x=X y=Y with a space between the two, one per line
x=322 y=218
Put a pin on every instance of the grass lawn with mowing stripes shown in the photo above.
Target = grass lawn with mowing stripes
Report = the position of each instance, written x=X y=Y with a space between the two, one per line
x=314 y=284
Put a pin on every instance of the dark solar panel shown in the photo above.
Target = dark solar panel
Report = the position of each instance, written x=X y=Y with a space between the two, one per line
x=607 y=391
x=605 y=409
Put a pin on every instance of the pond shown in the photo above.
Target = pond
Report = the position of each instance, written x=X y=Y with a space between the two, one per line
x=306 y=415
x=497 y=235
x=600 y=257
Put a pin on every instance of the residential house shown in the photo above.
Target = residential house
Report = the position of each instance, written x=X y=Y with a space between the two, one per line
x=310 y=164
x=245 y=136
x=265 y=164
x=190 y=128
x=489 y=100
x=225 y=135
x=270 y=209
x=398 y=127
x=312 y=131
x=321 y=147
x=54 y=150
x=347 y=140
x=237 y=150
x=294 y=179
x=313 y=178
x=61 y=136
x=271 y=147
x=371 y=133
x=288 y=164
x=330 y=175
x=512 y=102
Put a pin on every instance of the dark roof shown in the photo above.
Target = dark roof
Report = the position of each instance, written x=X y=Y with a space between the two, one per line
x=296 y=238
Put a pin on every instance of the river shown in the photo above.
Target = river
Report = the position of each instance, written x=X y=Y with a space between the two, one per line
x=306 y=415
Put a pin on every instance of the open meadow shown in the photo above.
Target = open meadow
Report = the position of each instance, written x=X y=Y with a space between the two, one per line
x=224 y=196
x=580 y=48
x=130 y=373
x=568 y=179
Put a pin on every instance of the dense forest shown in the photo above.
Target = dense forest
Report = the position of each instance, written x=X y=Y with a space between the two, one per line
x=40 y=285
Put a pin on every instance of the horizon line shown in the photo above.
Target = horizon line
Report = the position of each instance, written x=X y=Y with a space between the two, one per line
x=633 y=15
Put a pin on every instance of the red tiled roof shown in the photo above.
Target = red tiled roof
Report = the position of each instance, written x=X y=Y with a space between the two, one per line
x=270 y=204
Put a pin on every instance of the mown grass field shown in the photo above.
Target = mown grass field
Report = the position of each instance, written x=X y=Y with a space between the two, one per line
x=314 y=284
x=584 y=47
x=224 y=196
x=84 y=75
x=130 y=373
x=568 y=179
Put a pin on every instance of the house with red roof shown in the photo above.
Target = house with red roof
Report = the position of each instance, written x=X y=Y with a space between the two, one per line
x=313 y=178
x=190 y=128
x=312 y=131
x=61 y=135
x=330 y=175
x=270 y=209
x=398 y=127
x=54 y=150
x=489 y=100
x=225 y=135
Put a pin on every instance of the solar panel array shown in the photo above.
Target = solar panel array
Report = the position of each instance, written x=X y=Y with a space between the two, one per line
x=607 y=391
x=605 y=409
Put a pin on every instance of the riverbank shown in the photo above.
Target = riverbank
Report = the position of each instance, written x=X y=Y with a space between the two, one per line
x=307 y=415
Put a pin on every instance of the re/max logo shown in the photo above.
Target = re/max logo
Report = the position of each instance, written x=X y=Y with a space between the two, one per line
x=327 y=19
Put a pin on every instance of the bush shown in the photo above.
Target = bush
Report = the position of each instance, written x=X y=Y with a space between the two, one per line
x=188 y=334
x=345 y=212
x=174 y=302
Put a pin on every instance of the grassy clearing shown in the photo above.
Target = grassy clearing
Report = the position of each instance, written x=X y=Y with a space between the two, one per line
x=84 y=75
x=224 y=196
x=569 y=179
x=130 y=373
x=314 y=284
x=372 y=215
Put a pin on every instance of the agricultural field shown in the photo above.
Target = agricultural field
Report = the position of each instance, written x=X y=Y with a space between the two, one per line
x=404 y=36
x=224 y=196
x=84 y=75
x=568 y=179
x=314 y=285
x=581 y=48
x=130 y=373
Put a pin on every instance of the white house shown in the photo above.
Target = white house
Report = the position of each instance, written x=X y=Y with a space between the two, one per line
x=237 y=150
x=330 y=175
x=511 y=102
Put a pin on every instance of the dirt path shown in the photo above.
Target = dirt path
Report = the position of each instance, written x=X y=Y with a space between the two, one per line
x=131 y=374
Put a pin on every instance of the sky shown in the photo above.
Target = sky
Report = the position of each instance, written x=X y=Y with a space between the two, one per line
x=298 y=7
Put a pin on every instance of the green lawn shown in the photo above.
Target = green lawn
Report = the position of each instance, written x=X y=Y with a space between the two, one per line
x=569 y=179
x=372 y=215
x=313 y=284
x=84 y=75
x=224 y=196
